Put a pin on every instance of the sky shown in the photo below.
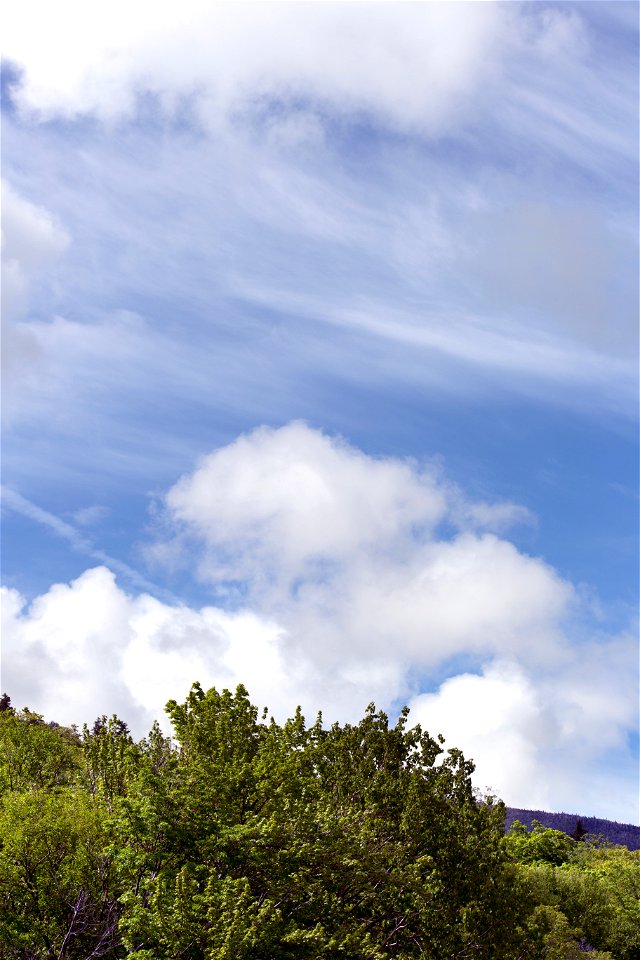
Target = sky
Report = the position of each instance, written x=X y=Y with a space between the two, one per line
x=320 y=371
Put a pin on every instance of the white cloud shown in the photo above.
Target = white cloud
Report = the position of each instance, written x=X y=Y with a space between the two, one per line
x=542 y=740
x=412 y=71
x=91 y=516
x=62 y=657
x=348 y=581
x=89 y=648
x=490 y=516
x=498 y=719
x=292 y=498
x=333 y=543
x=426 y=69
x=31 y=242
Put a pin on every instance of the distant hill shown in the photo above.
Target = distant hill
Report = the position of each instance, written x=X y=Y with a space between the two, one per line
x=625 y=834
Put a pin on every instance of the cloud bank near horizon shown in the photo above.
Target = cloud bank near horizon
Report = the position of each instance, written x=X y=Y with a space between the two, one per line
x=338 y=578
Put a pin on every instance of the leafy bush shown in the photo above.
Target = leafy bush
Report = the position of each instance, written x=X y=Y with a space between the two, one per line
x=590 y=891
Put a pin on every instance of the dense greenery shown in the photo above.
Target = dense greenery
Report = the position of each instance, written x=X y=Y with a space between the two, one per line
x=618 y=834
x=587 y=894
x=242 y=838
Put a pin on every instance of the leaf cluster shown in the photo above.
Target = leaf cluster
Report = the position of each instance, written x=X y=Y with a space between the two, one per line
x=239 y=837
x=586 y=894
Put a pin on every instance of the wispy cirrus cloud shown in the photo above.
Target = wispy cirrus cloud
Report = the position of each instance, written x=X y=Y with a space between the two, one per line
x=32 y=242
x=428 y=285
x=452 y=201
x=15 y=502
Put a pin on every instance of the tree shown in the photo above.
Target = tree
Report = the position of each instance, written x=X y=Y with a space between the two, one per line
x=55 y=894
x=34 y=754
x=586 y=895
x=540 y=845
x=615 y=873
x=579 y=833
x=244 y=839
x=360 y=841
x=110 y=756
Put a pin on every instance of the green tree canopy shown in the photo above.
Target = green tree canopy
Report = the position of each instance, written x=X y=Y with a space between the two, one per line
x=355 y=841
x=239 y=837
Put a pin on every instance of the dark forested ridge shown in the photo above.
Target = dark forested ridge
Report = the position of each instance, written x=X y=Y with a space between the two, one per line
x=242 y=839
x=624 y=834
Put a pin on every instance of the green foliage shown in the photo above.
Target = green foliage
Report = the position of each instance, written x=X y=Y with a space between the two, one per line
x=34 y=755
x=54 y=883
x=615 y=873
x=540 y=845
x=109 y=755
x=585 y=893
x=358 y=841
x=244 y=839
x=556 y=939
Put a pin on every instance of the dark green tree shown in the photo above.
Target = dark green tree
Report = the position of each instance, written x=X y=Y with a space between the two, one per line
x=360 y=841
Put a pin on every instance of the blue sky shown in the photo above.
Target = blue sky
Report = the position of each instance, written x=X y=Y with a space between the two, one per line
x=320 y=371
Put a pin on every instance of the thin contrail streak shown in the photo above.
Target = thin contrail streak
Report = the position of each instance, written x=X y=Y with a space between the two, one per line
x=19 y=504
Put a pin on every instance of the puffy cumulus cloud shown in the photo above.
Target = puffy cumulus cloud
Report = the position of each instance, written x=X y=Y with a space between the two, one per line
x=419 y=71
x=62 y=654
x=88 y=647
x=544 y=740
x=538 y=738
x=344 y=578
x=347 y=551
x=497 y=718
x=292 y=498
x=379 y=573
x=475 y=593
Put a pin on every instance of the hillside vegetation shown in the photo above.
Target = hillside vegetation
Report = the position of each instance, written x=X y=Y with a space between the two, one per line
x=591 y=828
x=242 y=839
